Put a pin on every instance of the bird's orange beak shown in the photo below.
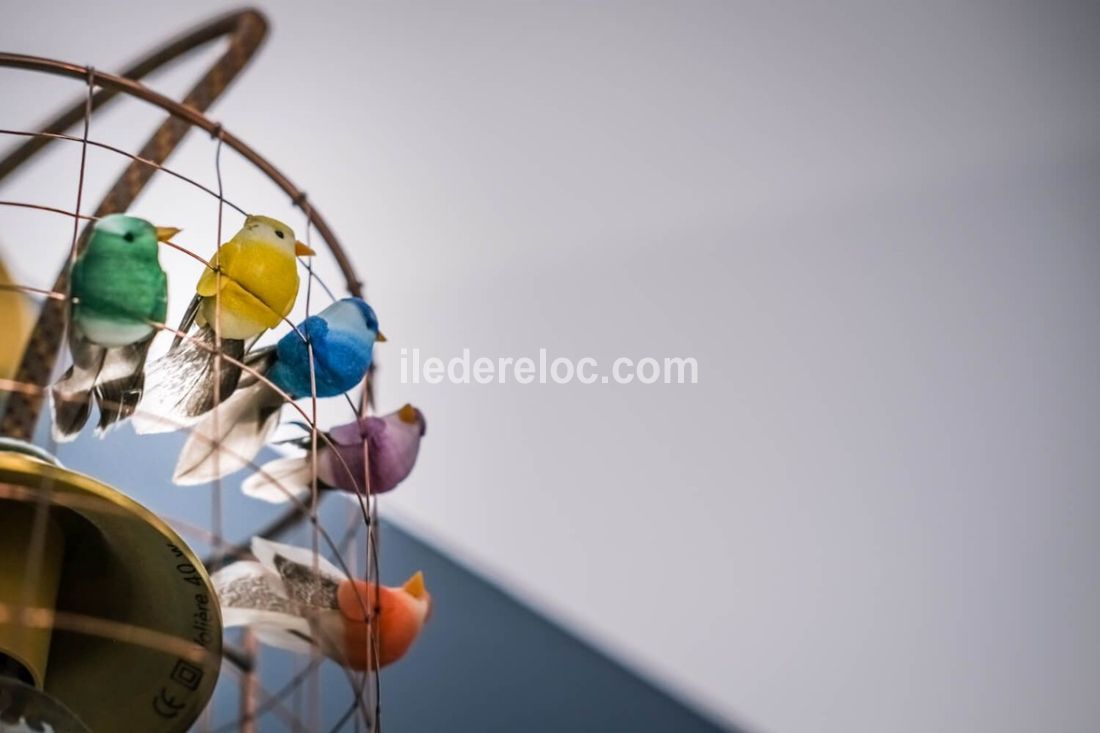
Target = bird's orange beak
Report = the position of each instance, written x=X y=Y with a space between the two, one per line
x=166 y=233
x=303 y=250
x=408 y=415
x=415 y=587
x=380 y=338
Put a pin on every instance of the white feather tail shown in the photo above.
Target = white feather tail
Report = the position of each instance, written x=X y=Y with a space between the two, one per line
x=281 y=480
x=228 y=438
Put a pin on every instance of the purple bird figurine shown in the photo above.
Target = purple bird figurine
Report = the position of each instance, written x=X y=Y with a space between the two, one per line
x=393 y=442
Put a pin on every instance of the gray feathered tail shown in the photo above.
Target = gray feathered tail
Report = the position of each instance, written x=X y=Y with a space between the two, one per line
x=186 y=383
x=113 y=377
x=118 y=396
x=71 y=402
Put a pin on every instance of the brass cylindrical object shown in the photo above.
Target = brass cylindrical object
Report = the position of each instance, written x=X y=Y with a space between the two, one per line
x=121 y=624
x=24 y=649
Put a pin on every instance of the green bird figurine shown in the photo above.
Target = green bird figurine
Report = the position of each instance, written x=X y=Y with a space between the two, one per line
x=118 y=291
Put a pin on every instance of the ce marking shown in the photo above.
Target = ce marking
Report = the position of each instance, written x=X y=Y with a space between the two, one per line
x=167 y=706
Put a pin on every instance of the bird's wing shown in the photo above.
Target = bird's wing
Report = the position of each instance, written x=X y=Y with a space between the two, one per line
x=121 y=382
x=250 y=585
x=315 y=329
x=223 y=260
x=343 y=359
x=267 y=552
x=71 y=395
x=251 y=595
x=295 y=566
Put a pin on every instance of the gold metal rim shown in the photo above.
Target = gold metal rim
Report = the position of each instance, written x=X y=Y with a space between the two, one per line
x=144 y=587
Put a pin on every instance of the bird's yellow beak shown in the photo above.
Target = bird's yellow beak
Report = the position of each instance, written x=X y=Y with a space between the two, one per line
x=415 y=587
x=381 y=337
x=166 y=233
x=303 y=250
x=408 y=414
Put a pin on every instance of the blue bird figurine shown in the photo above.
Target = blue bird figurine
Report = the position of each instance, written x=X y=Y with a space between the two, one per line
x=342 y=337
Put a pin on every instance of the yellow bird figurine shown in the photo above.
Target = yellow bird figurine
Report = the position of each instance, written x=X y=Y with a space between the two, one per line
x=250 y=286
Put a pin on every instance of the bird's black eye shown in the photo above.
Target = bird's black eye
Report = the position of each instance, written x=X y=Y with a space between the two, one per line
x=128 y=236
x=279 y=233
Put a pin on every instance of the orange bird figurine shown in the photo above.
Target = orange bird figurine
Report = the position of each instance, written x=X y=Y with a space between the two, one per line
x=294 y=600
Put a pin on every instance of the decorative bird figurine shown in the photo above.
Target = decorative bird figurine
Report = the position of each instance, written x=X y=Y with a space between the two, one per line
x=118 y=291
x=342 y=339
x=295 y=600
x=249 y=287
x=392 y=441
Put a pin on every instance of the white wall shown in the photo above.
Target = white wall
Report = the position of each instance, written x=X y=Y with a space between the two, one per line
x=874 y=225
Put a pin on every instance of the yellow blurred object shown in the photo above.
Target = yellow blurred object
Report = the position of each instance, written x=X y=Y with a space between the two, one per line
x=16 y=320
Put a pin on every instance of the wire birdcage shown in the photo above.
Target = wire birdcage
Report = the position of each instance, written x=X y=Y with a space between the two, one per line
x=25 y=391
